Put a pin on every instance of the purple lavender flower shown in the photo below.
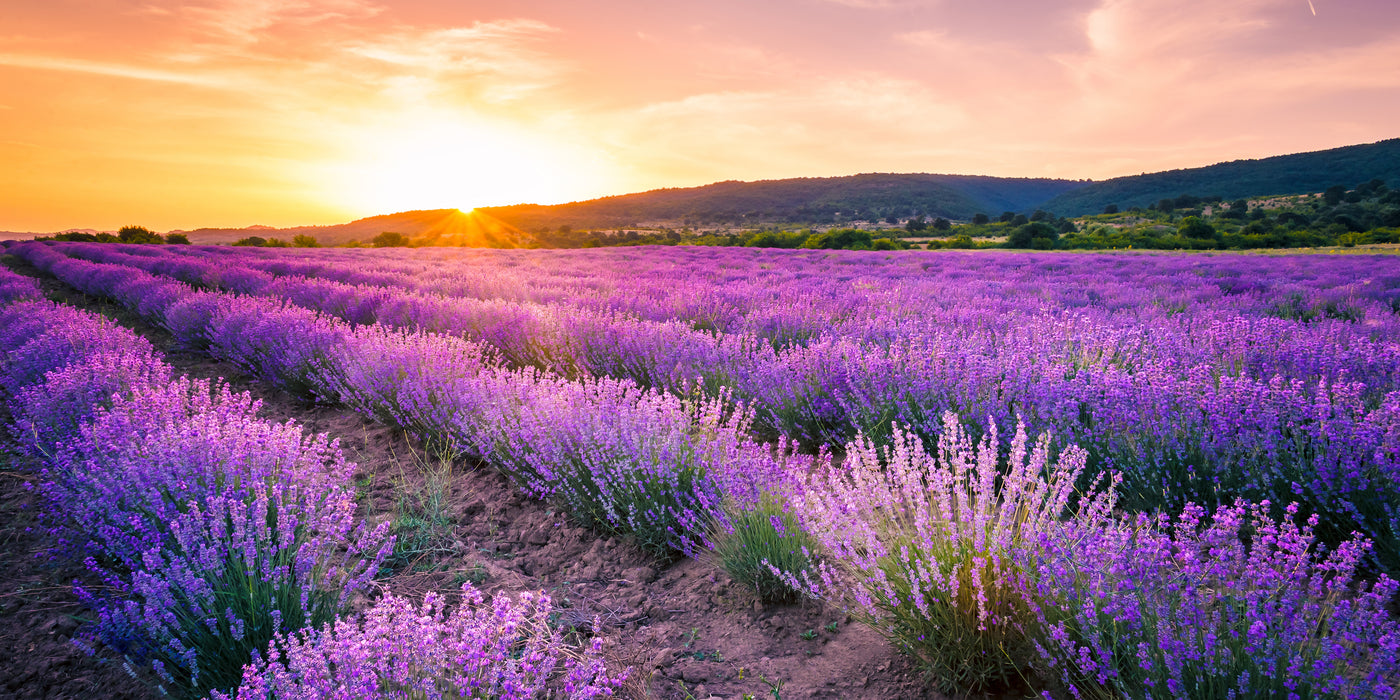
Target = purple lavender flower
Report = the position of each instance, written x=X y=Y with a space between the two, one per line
x=505 y=649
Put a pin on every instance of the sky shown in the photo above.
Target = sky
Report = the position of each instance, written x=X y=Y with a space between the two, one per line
x=177 y=115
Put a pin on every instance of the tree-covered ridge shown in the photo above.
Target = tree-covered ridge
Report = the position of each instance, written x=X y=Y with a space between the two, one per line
x=1298 y=173
x=873 y=196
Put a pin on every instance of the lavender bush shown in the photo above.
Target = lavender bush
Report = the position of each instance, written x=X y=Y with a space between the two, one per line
x=505 y=649
x=214 y=529
x=928 y=549
x=278 y=343
x=40 y=337
x=50 y=412
x=625 y=460
x=428 y=384
x=758 y=532
x=61 y=365
x=211 y=530
x=1237 y=605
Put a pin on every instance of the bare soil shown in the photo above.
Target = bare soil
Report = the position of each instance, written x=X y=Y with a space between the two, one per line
x=685 y=628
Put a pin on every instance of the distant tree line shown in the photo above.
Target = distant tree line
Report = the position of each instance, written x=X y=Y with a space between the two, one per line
x=127 y=234
x=834 y=239
x=298 y=241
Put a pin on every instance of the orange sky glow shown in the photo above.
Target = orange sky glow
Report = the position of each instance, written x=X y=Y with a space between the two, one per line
x=178 y=114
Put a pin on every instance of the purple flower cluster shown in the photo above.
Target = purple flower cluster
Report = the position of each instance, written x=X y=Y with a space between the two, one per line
x=16 y=287
x=929 y=549
x=505 y=649
x=1226 y=605
x=211 y=529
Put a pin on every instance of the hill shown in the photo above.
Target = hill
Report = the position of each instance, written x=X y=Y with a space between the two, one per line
x=1299 y=173
x=800 y=200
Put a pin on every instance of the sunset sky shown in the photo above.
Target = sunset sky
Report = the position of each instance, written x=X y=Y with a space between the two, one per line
x=236 y=112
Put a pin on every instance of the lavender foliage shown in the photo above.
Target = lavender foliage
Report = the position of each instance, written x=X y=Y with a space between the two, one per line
x=505 y=649
x=928 y=548
x=1232 y=604
x=210 y=529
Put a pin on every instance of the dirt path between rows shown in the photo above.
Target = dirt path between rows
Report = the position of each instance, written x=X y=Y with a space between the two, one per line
x=688 y=631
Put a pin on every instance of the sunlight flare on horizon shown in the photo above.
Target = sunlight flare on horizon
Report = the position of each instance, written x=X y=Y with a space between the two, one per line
x=443 y=161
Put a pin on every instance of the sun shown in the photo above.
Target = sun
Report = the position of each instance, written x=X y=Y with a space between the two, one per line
x=452 y=162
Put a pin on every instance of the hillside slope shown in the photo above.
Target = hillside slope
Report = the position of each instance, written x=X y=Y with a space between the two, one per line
x=1299 y=173
x=799 y=200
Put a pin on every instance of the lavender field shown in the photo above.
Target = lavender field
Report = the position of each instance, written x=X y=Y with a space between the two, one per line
x=1105 y=475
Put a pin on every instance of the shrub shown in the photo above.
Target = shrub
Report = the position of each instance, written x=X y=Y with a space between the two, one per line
x=15 y=287
x=1195 y=227
x=41 y=336
x=504 y=650
x=643 y=464
x=138 y=234
x=758 y=531
x=758 y=537
x=839 y=239
x=279 y=343
x=927 y=549
x=389 y=239
x=1035 y=234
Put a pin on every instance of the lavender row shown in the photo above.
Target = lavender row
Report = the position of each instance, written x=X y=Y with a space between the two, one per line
x=210 y=529
x=1202 y=408
x=1195 y=322
x=621 y=458
x=16 y=287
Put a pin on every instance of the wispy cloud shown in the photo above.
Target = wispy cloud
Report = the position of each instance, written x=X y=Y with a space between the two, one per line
x=498 y=55
x=246 y=20
x=114 y=70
